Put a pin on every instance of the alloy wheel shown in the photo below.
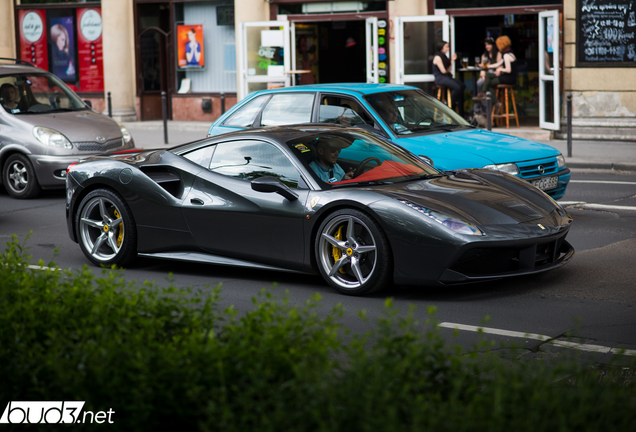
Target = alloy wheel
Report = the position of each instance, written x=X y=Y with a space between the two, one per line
x=347 y=251
x=18 y=176
x=101 y=228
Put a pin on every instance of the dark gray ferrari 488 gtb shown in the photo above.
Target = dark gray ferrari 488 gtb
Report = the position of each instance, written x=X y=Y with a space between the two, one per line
x=340 y=201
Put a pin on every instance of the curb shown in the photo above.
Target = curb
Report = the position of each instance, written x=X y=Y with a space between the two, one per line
x=603 y=165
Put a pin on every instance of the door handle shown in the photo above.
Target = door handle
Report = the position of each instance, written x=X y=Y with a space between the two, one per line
x=196 y=201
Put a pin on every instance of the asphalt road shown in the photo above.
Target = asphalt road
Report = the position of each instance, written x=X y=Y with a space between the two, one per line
x=592 y=299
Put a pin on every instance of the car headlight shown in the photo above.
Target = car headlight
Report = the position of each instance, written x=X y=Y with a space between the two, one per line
x=451 y=223
x=127 y=136
x=51 y=137
x=509 y=168
x=561 y=161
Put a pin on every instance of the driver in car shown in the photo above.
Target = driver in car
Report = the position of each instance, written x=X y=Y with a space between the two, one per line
x=9 y=97
x=326 y=163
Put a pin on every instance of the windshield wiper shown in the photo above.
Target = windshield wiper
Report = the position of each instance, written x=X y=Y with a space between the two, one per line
x=435 y=127
x=444 y=126
x=64 y=109
x=367 y=183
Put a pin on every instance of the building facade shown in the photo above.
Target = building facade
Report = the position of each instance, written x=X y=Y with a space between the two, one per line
x=204 y=56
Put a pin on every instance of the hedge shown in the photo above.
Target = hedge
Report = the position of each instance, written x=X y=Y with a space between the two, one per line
x=162 y=358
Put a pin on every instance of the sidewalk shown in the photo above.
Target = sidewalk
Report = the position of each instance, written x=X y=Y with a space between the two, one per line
x=613 y=155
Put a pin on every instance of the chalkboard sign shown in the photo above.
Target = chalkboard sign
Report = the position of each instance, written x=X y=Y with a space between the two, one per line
x=606 y=33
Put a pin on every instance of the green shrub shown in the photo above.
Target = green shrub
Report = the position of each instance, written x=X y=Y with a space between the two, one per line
x=172 y=358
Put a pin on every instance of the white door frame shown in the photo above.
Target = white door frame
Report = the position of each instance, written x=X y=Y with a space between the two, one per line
x=244 y=78
x=371 y=33
x=554 y=77
x=403 y=78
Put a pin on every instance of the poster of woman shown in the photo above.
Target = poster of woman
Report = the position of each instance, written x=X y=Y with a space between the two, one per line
x=63 y=49
x=190 y=46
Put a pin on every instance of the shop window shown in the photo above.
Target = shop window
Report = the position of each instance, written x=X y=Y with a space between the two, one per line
x=65 y=41
x=205 y=46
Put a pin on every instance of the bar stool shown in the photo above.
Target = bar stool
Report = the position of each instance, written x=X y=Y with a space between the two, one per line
x=504 y=97
x=444 y=95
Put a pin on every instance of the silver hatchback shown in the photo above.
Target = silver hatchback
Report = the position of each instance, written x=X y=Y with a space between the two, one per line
x=45 y=127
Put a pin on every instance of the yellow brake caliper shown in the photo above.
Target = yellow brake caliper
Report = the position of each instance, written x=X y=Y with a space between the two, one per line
x=120 y=235
x=335 y=251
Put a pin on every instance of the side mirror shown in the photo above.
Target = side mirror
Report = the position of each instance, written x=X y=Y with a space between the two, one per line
x=272 y=184
x=88 y=104
x=426 y=159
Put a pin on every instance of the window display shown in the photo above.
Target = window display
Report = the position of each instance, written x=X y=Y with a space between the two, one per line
x=65 y=41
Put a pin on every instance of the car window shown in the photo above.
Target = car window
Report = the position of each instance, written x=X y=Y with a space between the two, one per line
x=411 y=111
x=200 y=156
x=252 y=159
x=288 y=108
x=245 y=116
x=36 y=93
x=338 y=110
x=345 y=157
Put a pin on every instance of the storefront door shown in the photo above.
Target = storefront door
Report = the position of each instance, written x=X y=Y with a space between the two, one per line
x=153 y=45
x=549 y=70
x=415 y=41
x=263 y=50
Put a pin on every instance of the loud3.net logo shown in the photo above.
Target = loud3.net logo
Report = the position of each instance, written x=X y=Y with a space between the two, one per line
x=52 y=412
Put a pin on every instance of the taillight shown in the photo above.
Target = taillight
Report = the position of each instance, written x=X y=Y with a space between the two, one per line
x=68 y=168
x=128 y=151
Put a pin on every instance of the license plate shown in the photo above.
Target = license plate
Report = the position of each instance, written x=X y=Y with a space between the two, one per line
x=546 y=183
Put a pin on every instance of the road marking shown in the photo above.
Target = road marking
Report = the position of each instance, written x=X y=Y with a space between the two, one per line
x=542 y=338
x=602 y=182
x=592 y=206
x=37 y=267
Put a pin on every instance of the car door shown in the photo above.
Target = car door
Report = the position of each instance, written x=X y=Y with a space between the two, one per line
x=228 y=218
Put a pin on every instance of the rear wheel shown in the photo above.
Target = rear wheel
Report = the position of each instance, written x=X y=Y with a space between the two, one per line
x=18 y=177
x=353 y=253
x=106 y=229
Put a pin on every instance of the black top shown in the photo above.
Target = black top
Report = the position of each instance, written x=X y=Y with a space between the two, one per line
x=491 y=56
x=446 y=61
x=511 y=77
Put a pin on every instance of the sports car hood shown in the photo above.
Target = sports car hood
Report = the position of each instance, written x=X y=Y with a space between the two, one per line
x=77 y=126
x=474 y=148
x=482 y=197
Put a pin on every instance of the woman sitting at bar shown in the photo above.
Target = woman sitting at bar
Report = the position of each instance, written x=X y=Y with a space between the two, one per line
x=491 y=58
x=506 y=74
x=442 y=66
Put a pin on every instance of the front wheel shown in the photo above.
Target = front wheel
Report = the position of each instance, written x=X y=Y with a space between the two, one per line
x=106 y=229
x=353 y=253
x=18 y=177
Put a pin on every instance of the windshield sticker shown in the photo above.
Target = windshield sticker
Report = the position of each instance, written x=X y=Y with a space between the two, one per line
x=302 y=147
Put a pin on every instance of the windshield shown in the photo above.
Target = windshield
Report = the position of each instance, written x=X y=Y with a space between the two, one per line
x=411 y=111
x=357 y=157
x=37 y=93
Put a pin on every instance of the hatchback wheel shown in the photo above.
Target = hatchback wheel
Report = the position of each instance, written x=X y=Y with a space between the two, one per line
x=107 y=232
x=18 y=177
x=353 y=253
